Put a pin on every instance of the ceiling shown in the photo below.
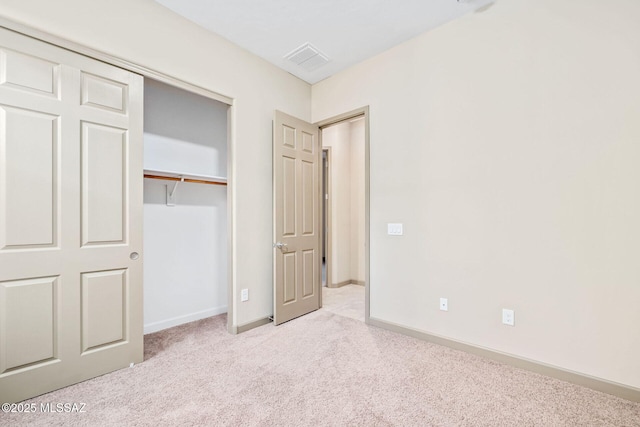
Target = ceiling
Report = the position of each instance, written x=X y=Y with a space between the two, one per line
x=343 y=31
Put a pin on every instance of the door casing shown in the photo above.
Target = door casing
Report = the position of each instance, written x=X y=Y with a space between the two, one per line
x=363 y=111
x=326 y=171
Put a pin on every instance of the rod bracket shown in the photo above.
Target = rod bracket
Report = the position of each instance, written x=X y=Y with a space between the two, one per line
x=171 y=194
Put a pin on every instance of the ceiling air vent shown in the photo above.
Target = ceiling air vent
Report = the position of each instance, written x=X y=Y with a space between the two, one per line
x=308 y=57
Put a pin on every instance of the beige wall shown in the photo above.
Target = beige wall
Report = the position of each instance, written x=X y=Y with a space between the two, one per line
x=337 y=137
x=346 y=140
x=147 y=34
x=508 y=143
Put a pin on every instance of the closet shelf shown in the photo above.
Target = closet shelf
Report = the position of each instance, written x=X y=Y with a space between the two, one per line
x=185 y=177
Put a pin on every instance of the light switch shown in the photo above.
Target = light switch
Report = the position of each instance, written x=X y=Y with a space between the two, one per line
x=395 y=229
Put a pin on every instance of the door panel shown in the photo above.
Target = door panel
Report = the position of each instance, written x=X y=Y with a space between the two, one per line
x=289 y=196
x=289 y=271
x=27 y=308
x=26 y=72
x=102 y=93
x=104 y=174
x=308 y=272
x=296 y=223
x=308 y=142
x=70 y=216
x=29 y=185
x=308 y=199
x=104 y=301
x=288 y=136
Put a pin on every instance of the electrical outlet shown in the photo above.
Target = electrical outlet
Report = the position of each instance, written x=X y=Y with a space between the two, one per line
x=244 y=295
x=444 y=304
x=508 y=317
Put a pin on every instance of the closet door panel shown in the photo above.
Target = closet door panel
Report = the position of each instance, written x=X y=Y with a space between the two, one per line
x=29 y=184
x=104 y=179
x=109 y=248
x=104 y=298
x=29 y=332
x=29 y=73
x=103 y=93
x=70 y=217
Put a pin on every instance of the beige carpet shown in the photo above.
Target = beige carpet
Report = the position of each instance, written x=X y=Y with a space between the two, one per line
x=346 y=301
x=322 y=369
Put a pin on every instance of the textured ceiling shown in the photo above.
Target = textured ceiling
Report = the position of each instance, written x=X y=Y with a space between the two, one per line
x=345 y=31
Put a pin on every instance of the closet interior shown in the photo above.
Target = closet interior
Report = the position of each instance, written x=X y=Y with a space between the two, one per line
x=185 y=206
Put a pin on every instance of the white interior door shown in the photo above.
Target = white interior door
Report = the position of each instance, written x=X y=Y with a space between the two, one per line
x=297 y=228
x=70 y=217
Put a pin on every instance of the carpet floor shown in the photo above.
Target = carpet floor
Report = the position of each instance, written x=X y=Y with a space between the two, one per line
x=322 y=369
x=346 y=301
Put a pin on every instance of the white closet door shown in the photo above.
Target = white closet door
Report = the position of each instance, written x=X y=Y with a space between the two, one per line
x=70 y=217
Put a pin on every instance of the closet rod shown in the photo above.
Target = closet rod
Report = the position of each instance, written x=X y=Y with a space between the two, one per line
x=174 y=178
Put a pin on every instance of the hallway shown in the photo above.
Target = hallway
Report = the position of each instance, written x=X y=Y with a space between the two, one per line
x=347 y=301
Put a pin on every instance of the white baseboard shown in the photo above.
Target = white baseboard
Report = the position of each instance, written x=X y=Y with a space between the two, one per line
x=248 y=326
x=347 y=282
x=175 y=321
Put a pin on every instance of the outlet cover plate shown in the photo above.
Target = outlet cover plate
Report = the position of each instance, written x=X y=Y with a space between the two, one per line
x=508 y=317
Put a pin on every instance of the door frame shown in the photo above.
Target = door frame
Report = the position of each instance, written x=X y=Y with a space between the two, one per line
x=363 y=111
x=327 y=202
x=181 y=84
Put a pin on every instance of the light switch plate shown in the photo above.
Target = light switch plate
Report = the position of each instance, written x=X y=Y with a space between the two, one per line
x=395 y=229
x=244 y=295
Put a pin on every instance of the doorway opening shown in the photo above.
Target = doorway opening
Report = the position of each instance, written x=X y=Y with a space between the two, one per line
x=298 y=211
x=185 y=206
x=345 y=216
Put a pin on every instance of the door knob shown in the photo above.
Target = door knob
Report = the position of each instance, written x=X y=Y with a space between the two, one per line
x=134 y=255
x=282 y=246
